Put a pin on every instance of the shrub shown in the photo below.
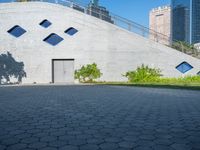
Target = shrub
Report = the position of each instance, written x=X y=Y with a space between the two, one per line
x=88 y=73
x=184 y=47
x=143 y=74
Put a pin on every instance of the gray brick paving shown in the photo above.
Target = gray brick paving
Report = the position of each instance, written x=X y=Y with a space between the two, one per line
x=98 y=118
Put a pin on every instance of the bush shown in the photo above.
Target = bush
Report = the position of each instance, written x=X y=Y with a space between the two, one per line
x=187 y=80
x=184 y=47
x=88 y=73
x=143 y=74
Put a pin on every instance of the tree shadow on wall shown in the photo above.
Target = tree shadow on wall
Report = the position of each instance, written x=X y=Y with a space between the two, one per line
x=10 y=68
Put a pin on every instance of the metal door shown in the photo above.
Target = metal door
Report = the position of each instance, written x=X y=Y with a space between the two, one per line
x=63 y=71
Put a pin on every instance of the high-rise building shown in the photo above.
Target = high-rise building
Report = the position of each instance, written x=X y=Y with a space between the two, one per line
x=186 y=20
x=98 y=11
x=195 y=21
x=181 y=20
x=160 y=22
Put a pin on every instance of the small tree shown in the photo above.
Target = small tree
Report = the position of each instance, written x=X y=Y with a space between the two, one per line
x=143 y=74
x=88 y=73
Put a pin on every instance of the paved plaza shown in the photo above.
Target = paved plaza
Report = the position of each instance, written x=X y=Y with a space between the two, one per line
x=98 y=118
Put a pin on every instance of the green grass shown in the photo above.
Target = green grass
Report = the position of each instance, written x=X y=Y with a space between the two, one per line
x=189 y=82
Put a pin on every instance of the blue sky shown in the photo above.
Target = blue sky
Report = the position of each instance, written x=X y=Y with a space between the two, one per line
x=135 y=10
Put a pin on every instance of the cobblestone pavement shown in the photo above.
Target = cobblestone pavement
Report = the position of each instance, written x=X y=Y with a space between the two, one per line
x=98 y=118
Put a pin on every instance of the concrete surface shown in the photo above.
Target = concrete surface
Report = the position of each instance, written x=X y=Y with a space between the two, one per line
x=114 y=49
x=98 y=118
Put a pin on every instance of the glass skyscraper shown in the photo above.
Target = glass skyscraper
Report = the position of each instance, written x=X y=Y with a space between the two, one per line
x=186 y=20
x=195 y=21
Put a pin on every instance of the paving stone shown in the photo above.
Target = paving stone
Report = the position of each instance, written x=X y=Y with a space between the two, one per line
x=84 y=136
x=66 y=137
x=29 y=140
x=58 y=143
x=2 y=147
x=69 y=147
x=112 y=139
x=147 y=137
x=57 y=133
x=163 y=136
x=23 y=136
x=194 y=145
x=89 y=147
x=165 y=142
x=108 y=146
x=161 y=147
x=49 y=148
x=181 y=147
x=48 y=139
x=17 y=147
x=143 y=148
x=37 y=145
x=127 y=144
x=77 y=142
x=180 y=140
x=121 y=148
x=144 y=142
x=10 y=141
x=95 y=141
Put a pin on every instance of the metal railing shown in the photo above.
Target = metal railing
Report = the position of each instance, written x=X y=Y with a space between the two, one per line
x=103 y=14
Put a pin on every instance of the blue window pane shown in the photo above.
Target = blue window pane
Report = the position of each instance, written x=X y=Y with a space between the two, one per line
x=53 y=39
x=184 y=67
x=45 y=23
x=16 y=31
x=71 y=31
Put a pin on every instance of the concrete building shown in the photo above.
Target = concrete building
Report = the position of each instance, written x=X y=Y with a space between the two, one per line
x=186 y=21
x=160 y=21
x=54 y=40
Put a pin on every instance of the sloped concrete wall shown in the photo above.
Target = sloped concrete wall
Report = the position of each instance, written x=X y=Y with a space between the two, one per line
x=114 y=49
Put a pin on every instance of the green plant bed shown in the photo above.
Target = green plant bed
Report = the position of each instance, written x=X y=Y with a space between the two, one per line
x=142 y=76
x=192 y=86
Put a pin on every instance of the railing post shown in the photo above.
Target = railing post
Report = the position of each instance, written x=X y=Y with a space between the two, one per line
x=129 y=27
x=143 y=32
x=156 y=37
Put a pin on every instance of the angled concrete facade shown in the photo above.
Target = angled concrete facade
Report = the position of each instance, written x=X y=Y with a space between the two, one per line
x=114 y=49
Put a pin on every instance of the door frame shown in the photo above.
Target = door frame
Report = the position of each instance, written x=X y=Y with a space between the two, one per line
x=52 y=66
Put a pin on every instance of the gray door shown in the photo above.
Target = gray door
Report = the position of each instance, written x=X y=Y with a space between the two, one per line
x=63 y=71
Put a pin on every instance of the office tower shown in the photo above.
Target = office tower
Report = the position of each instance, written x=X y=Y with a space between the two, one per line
x=186 y=21
x=94 y=9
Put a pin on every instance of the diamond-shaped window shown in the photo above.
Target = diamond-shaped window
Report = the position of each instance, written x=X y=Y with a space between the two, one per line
x=71 y=31
x=53 y=39
x=16 y=31
x=45 y=23
x=184 y=67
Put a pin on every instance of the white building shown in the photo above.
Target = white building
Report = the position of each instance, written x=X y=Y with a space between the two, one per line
x=72 y=39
